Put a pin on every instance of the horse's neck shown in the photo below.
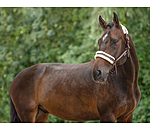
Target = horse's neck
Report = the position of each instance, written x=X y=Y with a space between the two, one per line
x=130 y=69
x=130 y=73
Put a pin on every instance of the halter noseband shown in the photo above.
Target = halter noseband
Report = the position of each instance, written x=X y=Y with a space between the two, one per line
x=112 y=60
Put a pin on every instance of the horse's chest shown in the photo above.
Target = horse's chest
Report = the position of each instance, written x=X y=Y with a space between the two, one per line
x=116 y=101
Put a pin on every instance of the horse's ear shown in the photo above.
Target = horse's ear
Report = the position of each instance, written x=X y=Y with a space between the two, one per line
x=115 y=20
x=102 y=22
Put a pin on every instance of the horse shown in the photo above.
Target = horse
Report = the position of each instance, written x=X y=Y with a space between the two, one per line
x=104 y=89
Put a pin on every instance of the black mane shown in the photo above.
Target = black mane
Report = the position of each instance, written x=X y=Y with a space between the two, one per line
x=110 y=25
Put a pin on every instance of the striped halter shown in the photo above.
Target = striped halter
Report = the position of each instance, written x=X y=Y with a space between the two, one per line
x=112 y=60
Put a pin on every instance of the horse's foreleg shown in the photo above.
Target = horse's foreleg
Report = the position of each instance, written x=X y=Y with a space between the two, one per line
x=107 y=118
x=128 y=119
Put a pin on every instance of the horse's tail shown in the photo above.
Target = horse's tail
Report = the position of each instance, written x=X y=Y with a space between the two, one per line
x=13 y=113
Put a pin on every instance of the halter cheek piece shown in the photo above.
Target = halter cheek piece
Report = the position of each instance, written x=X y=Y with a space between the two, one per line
x=112 y=60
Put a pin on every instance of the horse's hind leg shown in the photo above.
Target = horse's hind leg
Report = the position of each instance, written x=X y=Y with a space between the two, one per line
x=26 y=109
x=42 y=115
x=27 y=115
x=32 y=114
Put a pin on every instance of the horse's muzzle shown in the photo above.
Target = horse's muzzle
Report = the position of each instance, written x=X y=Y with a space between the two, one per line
x=99 y=76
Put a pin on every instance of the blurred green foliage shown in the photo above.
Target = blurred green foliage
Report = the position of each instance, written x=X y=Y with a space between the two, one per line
x=30 y=36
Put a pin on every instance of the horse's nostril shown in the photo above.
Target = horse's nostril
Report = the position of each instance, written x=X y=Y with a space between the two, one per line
x=99 y=73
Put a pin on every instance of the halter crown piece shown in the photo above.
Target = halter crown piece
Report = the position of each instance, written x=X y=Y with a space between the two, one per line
x=112 y=60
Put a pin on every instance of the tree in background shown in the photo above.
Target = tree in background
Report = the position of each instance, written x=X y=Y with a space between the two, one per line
x=30 y=36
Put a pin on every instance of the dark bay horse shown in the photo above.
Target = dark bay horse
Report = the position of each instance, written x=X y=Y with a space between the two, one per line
x=104 y=89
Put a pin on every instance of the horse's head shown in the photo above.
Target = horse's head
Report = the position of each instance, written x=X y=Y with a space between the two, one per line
x=113 y=47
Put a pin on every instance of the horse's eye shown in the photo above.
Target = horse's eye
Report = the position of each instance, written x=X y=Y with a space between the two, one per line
x=113 y=42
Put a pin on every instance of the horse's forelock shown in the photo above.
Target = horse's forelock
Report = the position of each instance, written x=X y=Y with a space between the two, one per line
x=110 y=25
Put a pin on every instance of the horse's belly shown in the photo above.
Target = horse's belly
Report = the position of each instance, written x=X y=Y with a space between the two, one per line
x=75 y=115
x=72 y=108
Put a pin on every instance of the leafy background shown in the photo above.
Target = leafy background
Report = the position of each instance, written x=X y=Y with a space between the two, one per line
x=30 y=36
